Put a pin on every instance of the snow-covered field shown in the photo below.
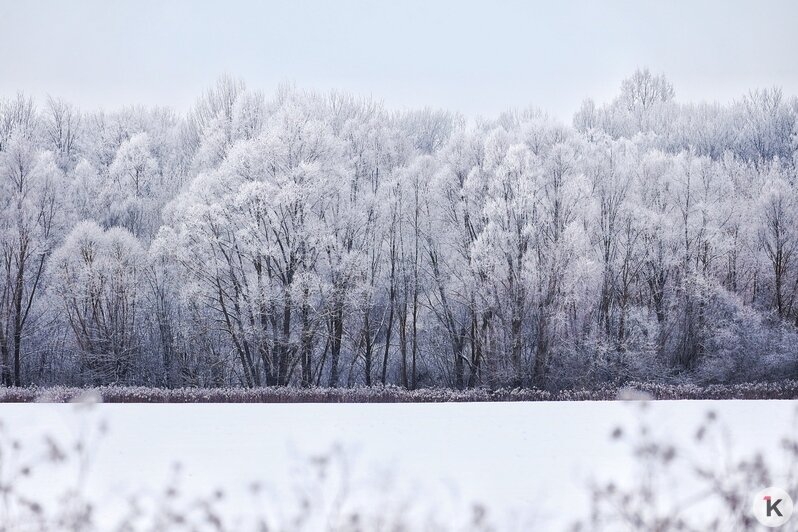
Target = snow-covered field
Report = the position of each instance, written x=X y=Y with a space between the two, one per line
x=521 y=460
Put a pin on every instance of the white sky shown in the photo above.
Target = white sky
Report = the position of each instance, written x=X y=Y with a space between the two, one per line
x=474 y=57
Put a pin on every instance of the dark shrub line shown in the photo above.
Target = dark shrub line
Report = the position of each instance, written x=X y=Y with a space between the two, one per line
x=393 y=394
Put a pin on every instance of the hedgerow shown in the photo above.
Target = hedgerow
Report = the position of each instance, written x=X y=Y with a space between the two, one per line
x=394 y=394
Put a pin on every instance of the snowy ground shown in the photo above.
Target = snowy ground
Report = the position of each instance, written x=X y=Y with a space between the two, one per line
x=520 y=459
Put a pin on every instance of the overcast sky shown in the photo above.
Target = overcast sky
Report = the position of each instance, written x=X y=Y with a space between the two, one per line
x=475 y=57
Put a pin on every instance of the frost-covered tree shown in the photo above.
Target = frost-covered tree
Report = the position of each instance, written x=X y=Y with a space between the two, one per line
x=320 y=240
x=31 y=189
x=96 y=276
x=778 y=208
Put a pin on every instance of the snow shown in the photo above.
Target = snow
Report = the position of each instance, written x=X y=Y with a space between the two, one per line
x=520 y=459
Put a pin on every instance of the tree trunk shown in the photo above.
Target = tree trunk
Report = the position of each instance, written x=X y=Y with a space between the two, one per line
x=337 y=330
x=403 y=343
x=306 y=347
x=367 y=347
x=391 y=305
x=18 y=288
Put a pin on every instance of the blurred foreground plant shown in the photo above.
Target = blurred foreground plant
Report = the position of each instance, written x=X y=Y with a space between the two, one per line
x=696 y=486
x=323 y=495
x=700 y=487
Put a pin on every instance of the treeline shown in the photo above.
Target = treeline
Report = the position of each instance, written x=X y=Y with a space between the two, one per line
x=321 y=240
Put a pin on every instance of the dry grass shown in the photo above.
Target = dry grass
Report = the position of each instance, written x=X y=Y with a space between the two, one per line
x=392 y=394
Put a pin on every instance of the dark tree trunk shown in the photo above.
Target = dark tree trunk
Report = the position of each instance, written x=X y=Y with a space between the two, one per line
x=337 y=331
x=306 y=348
x=368 y=351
